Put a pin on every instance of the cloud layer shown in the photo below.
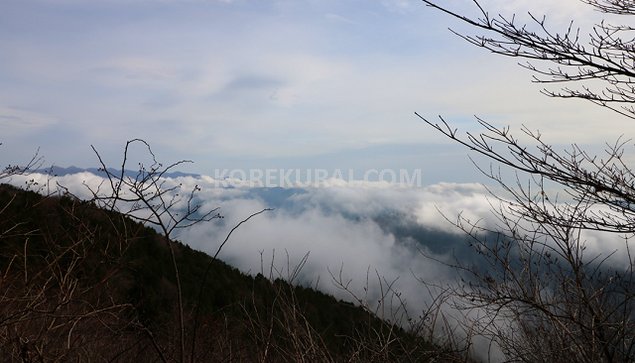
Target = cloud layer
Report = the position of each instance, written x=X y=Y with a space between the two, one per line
x=355 y=231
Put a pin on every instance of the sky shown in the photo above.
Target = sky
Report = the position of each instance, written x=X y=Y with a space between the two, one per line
x=268 y=83
x=286 y=85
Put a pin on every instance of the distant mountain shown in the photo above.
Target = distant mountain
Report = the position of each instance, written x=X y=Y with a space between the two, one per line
x=61 y=171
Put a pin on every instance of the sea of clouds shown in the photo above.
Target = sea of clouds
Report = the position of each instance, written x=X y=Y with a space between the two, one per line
x=369 y=236
x=364 y=232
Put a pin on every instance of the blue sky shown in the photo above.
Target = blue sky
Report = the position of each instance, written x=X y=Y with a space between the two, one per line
x=260 y=84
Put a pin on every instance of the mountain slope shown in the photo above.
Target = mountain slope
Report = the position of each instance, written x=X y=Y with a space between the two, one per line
x=82 y=283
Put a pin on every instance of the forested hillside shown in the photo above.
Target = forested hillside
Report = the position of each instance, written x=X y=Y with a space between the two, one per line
x=81 y=283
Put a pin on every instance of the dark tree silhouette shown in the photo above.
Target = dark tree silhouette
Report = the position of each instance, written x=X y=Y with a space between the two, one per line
x=146 y=197
x=546 y=297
